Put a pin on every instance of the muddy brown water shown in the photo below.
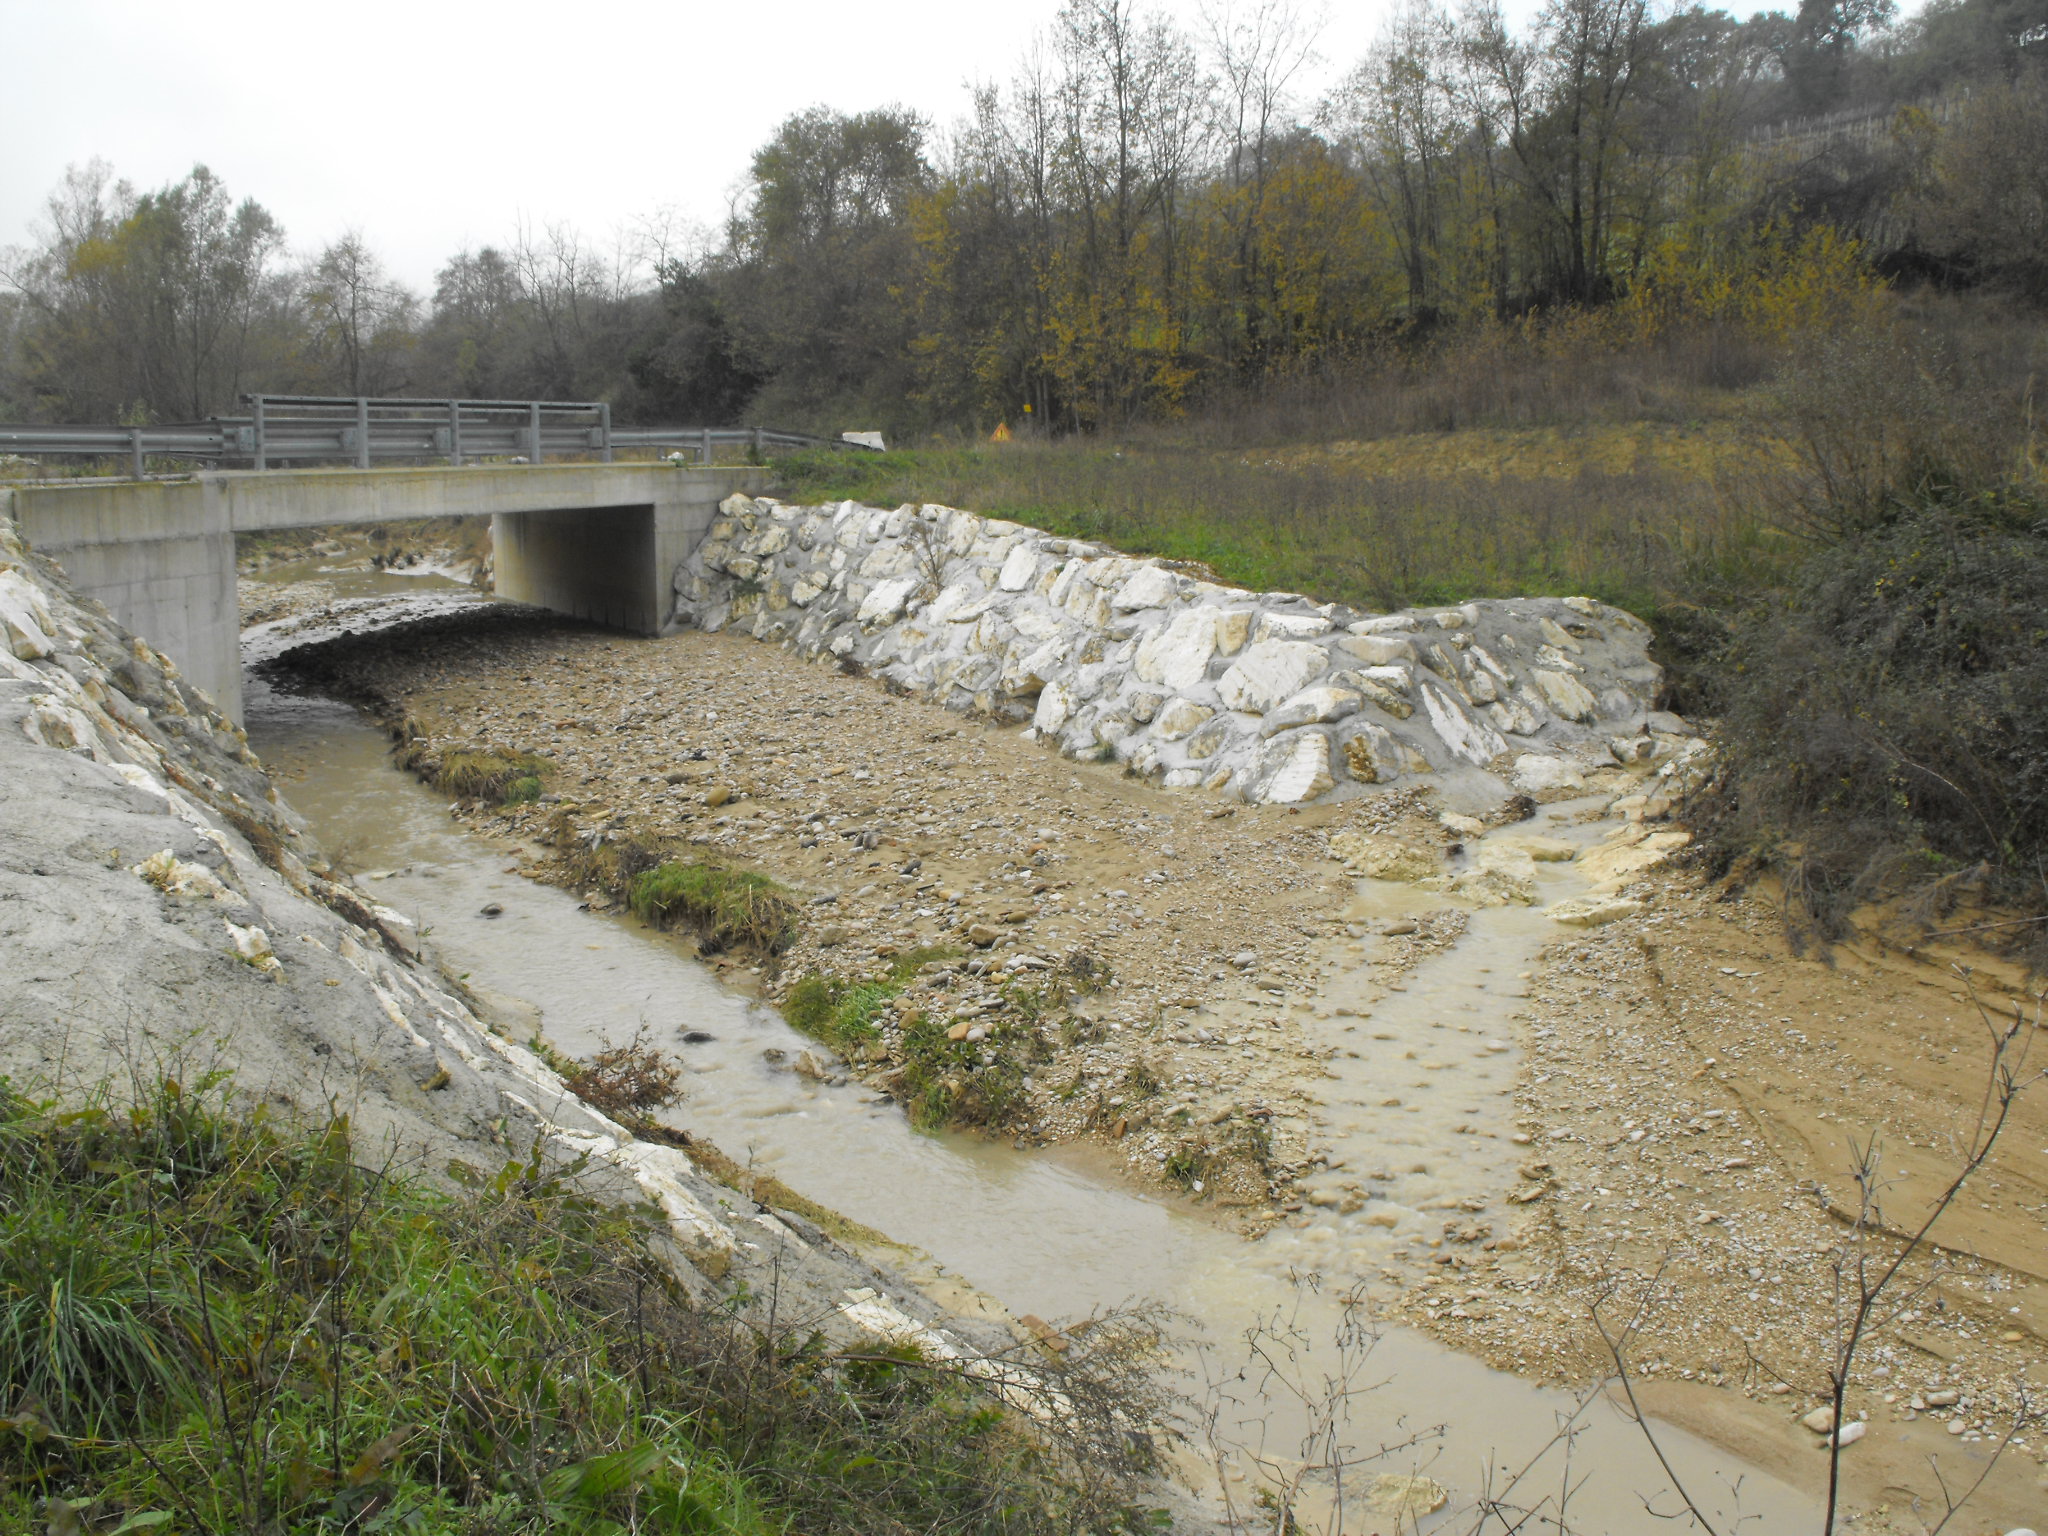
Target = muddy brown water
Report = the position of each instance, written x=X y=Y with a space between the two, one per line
x=1049 y=1232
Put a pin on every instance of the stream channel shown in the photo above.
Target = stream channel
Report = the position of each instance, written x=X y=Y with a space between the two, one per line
x=1044 y=1232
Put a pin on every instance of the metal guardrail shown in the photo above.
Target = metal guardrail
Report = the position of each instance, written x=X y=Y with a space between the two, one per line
x=289 y=429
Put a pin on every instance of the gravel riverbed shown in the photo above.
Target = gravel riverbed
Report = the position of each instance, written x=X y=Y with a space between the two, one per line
x=1685 y=1090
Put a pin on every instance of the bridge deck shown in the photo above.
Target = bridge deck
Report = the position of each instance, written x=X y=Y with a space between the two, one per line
x=598 y=541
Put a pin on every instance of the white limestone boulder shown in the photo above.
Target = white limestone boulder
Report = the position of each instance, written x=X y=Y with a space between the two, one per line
x=1151 y=587
x=1177 y=654
x=1294 y=770
x=1180 y=718
x=1312 y=706
x=1268 y=672
x=1538 y=774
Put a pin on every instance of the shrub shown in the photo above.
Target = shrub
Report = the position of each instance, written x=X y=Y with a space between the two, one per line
x=1889 y=723
x=1885 y=718
x=627 y=1082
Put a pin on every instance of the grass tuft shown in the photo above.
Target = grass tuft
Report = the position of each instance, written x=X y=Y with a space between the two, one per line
x=488 y=774
x=730 y=908
x=523 y=790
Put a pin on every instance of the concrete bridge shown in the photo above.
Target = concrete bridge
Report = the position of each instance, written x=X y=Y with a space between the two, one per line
x=596 y=541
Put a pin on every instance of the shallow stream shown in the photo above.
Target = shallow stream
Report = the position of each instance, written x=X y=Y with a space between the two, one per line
x=1049 y=1232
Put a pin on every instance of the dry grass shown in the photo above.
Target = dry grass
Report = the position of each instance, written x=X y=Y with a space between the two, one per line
x=1640 y=521
x=1572 y=371
x=486 y=774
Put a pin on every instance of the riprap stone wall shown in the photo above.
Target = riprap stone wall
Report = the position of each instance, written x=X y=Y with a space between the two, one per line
x=1267 y=697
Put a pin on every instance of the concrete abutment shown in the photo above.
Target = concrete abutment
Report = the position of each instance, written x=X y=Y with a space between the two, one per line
x=595 y=541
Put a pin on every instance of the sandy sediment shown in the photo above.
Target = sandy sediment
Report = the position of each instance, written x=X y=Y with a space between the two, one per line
x=1690 y=1117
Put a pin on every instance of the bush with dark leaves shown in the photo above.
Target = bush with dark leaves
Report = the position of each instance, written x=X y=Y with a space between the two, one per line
x=1887 y=726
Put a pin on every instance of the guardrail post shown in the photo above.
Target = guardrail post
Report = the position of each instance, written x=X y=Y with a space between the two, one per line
x=533 y=432
x=362 y=432
x=604 y=429
x=135 y=452
x=704 y=448
x=455 y=433
x=262 y=441
x=757 y=445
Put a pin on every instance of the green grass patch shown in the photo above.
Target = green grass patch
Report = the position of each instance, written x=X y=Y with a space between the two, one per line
x=730 y=908
x=977 y=1083
x=846 y=1014
x=469 y=773
x=843 y=1014
x=1375 y=531
x=524 y=790
x=959 y=1082
x=214 y=1323
x=210 y=1323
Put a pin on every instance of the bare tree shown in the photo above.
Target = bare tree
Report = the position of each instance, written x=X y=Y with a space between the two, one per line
x=364 y=324
x=1397 y=108
x=1257 y=49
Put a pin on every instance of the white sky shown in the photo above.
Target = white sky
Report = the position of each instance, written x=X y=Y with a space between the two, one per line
x=434 y=124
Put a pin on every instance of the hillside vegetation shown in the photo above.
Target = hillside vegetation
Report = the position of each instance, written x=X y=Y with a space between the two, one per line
x=1145 y=221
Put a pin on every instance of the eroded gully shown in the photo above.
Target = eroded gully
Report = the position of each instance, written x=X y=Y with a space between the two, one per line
x=1048 y=1232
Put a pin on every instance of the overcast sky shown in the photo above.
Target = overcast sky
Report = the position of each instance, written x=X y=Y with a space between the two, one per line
x=434 y=125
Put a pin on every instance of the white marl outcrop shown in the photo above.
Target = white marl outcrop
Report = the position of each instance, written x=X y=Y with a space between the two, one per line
x=1267 y=697
x=144 y=933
